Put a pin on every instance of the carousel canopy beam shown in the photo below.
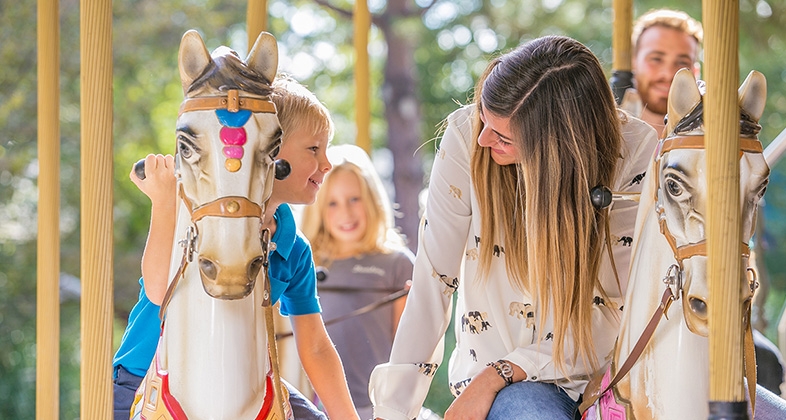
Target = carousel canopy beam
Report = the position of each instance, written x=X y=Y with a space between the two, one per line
x=96 y=209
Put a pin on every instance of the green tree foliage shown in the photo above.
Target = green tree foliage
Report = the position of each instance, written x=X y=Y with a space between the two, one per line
x=452 y=41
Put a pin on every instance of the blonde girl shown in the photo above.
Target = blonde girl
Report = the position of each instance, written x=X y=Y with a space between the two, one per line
x=363 y=261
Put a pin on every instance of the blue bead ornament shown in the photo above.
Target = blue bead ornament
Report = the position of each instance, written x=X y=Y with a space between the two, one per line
x=233 y=119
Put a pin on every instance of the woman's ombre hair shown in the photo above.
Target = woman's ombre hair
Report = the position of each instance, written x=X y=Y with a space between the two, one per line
x=566 y=131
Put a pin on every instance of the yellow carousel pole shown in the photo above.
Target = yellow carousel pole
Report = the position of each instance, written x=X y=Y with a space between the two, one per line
x=47 y=374
x=256 y=23
x=724 y=267
x=96 y=208
x=256 y=20
x=362 y=25
x=621 y=74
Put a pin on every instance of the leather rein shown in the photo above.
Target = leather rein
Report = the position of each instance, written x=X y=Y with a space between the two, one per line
x=674 y=276
x=227 y=206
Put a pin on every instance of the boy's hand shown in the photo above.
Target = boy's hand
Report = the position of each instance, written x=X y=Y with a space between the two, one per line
x=160 y=184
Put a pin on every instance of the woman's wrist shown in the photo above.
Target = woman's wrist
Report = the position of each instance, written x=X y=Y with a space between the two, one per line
x=505 y=372
x=503 y=369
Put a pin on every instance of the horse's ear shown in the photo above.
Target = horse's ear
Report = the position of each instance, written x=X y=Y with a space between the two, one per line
x=753 y=94
x=683 y=96
x=193 y=58
x=264 y=56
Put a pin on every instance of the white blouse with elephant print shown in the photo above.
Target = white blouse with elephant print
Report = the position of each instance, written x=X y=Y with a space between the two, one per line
x=493 y=320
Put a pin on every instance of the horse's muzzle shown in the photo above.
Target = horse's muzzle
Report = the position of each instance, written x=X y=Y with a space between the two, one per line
x=228 y=284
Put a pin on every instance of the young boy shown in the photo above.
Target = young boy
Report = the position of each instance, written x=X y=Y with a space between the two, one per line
x=308 y=130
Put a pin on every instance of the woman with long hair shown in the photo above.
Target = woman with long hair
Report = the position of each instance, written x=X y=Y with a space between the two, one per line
x=510 y=228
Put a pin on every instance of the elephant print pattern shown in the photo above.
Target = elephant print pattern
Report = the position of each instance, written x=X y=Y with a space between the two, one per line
x=637 y=179
x=474 y=322
x=522 y=311
x=455 y=191
x=625 y=240
x=428 y=369
x=459 y=386
x=452 y=284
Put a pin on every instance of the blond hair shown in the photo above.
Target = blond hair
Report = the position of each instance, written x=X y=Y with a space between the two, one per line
x=566 y=129
x=298 y=108
x=380 y=235
x=667 y=18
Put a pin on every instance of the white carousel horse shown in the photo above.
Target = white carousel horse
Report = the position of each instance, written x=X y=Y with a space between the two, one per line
x=670 y=377
x=212 y=360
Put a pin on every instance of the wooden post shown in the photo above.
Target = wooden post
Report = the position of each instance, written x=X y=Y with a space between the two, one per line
x=724 y=267
x=96 y=209
x=621 y=75
x=256 y=20
x=623 y=29
x=362 y=25
x=47 y=390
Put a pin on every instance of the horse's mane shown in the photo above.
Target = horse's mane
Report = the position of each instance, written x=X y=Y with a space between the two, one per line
x=226 y=71
x=694 y=120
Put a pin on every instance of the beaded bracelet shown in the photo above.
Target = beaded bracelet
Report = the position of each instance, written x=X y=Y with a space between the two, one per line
x=504 y=370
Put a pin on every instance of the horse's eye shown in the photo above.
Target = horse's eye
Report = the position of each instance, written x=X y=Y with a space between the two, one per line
x=184 y=149
x=673 y=187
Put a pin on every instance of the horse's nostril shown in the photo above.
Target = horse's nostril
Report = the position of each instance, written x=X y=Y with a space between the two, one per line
x=254 y=267
x=699 y=307
x=208 y=268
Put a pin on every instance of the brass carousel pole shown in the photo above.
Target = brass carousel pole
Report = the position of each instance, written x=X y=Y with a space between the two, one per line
x=621 y=74
x=96 y=209
x=47 y=374
x=362 y=24
x=724 y=267
x=256 y=20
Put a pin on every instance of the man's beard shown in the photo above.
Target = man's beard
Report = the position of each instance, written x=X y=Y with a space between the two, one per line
x=656 y=106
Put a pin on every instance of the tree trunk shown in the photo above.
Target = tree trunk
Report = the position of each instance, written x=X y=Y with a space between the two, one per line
x=402 y=112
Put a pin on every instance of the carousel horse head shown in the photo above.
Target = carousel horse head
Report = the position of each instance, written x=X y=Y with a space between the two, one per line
x=228 y=136
x=682 y=200
x=660 y=368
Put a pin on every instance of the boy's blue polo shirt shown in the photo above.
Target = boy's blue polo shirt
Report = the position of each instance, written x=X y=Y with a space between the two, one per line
x=292 y=279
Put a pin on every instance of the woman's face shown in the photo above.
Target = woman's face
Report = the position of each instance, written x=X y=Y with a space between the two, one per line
x=496 y=136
